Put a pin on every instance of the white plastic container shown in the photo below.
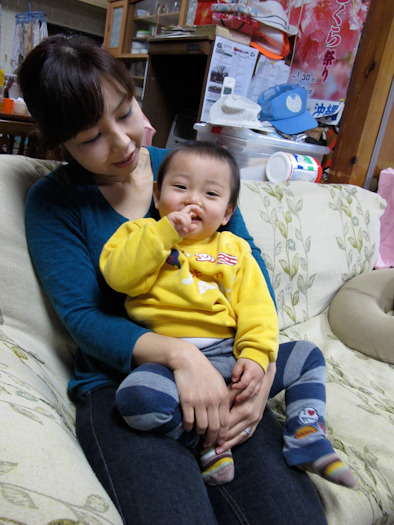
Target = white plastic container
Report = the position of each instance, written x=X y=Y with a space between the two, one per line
x=252 y=149
x=283 y=166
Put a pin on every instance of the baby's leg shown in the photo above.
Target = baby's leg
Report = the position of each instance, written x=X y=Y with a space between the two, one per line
x=148 y=400
x=218 y=469
x=301 y=370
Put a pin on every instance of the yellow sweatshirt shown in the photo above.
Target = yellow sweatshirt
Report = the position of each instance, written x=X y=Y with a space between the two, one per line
x=180 y=288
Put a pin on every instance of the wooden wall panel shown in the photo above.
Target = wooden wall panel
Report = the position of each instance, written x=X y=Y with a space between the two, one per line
x=366 y=98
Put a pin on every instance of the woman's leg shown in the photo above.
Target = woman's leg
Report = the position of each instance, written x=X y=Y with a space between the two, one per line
x=148 y=400
x=301 y=371
x=265 y=491
x=150 y=478
x=153 y=479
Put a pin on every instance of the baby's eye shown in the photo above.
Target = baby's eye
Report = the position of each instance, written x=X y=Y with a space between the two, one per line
x=212 y=194
x=180 y=186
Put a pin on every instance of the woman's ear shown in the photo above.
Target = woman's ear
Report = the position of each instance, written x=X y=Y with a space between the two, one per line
x=156 y=195
x=227 y=216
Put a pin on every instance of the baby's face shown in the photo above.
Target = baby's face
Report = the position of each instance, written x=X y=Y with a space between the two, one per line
x=202 y=181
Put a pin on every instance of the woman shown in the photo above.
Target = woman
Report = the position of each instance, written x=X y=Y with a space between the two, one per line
x=82 y=98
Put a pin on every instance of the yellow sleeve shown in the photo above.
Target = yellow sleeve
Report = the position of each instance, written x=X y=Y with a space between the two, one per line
x=257 y=336
x=131 y=259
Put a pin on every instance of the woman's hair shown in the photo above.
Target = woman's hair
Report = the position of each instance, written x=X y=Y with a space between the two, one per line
x=205 y=149
x=62 y=84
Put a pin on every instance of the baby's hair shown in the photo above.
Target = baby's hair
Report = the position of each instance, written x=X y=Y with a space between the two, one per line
x=204 y=149
x=62 y=84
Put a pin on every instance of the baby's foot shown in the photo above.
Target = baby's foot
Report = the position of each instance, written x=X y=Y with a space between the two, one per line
x=333 y=469
x=217 y=469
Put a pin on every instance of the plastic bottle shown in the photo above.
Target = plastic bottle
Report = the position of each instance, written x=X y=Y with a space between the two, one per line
x=228 y=86
x=283 y=166
x=1 y=89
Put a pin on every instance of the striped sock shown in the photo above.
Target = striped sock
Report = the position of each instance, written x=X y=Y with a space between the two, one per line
x=330 y=467
x=217 y=469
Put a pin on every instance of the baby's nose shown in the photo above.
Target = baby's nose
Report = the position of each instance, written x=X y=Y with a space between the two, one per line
x=194 y=198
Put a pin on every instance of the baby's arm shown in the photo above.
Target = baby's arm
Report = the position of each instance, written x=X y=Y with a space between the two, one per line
x=247 y=377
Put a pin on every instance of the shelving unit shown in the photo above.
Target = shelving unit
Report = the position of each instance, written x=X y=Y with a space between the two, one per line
x=129 y=25
x=175 y=81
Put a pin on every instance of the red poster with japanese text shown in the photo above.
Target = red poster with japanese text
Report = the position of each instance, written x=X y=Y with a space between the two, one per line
x=326 y=46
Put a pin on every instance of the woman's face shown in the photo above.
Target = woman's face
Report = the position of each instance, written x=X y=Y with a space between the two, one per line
x=110 y=149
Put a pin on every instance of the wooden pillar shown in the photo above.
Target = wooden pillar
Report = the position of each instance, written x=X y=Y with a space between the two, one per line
x=366 y=98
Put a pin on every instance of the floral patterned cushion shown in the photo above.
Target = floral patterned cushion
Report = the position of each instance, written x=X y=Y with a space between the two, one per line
x=359 y=421
x=313 y=237
x=44 y=475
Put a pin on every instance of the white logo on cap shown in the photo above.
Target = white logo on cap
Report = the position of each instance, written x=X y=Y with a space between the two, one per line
x=294 y=104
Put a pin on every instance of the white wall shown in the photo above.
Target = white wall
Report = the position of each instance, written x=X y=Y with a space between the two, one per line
x=67 y=13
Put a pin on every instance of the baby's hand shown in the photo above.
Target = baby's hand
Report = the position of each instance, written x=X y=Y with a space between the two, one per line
x=247 y=377
x=183 y=220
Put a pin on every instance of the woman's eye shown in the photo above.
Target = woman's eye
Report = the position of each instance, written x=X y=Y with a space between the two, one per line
x=90 y=141
x=126 y=115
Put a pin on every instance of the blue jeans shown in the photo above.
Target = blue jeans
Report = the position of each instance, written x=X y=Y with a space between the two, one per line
x=154 y=480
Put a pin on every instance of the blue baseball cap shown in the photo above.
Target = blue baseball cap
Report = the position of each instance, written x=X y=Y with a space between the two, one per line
x=284 y=106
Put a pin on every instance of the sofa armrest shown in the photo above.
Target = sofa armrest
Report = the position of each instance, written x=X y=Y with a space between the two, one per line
x=44 y=475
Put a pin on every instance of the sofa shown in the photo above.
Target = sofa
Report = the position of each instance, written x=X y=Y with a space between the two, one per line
x=316 y=239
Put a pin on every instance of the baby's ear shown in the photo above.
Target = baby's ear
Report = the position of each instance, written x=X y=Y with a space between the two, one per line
x=156 y=195
x=227 y=216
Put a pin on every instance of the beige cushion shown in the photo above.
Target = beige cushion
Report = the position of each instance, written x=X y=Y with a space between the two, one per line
x=361 y=314
x=314 y=238
x=24 y=306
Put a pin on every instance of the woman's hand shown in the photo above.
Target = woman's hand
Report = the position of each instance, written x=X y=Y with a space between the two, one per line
x=203 y=396
x=248 y=413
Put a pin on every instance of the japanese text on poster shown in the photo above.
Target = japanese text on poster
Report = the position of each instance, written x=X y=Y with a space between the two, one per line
x=326 y=46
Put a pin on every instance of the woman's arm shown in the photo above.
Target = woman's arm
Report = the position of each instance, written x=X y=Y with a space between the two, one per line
x=58 y=242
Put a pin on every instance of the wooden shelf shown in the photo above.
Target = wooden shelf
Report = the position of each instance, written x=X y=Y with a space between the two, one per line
x=122 y=25
x=175 y=80
x=153 y=18
x=132 y=56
